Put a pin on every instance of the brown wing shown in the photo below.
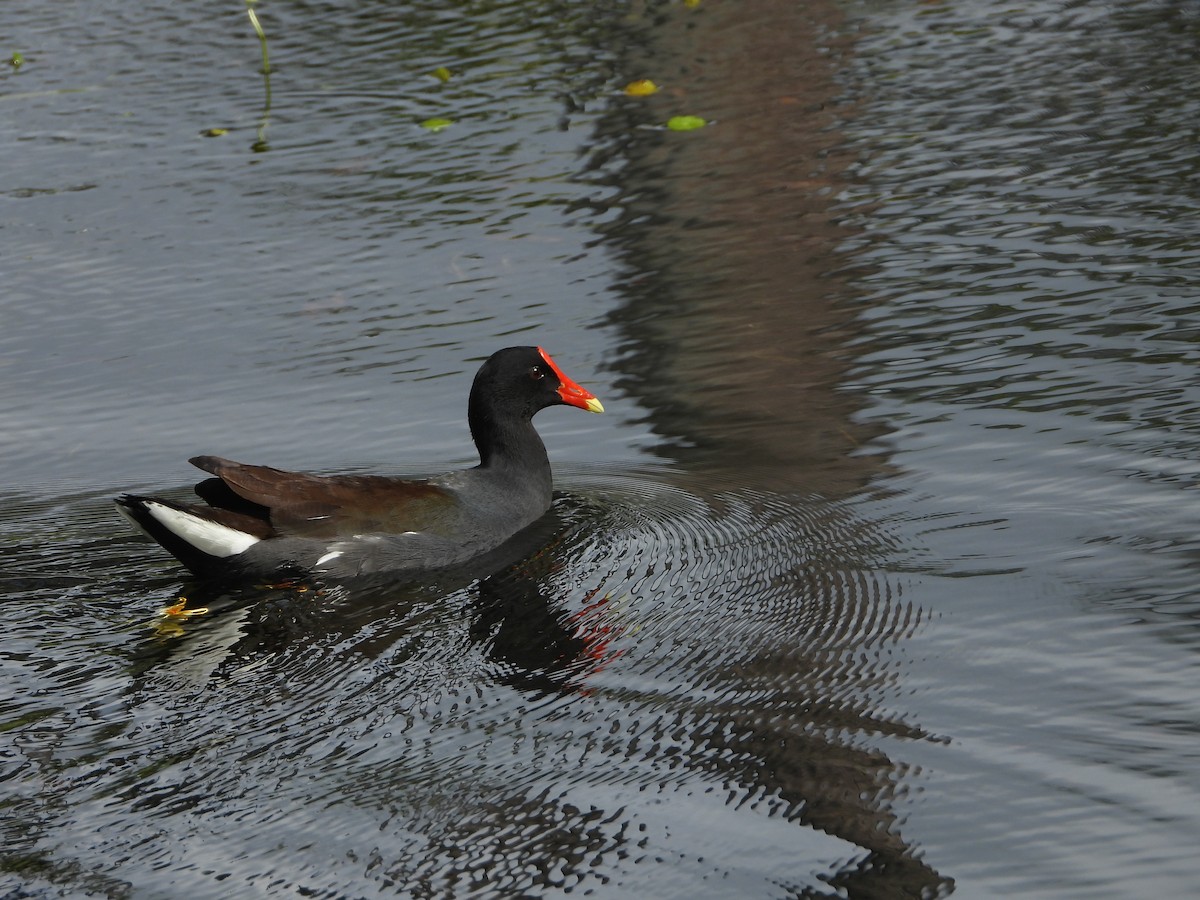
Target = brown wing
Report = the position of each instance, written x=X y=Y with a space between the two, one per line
x=328 y=506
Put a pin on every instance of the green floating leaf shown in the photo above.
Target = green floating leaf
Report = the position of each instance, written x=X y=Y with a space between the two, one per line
x=442 y=74
x=214 y=132
x=685 y=123
x=17 y=60
x=436 y=125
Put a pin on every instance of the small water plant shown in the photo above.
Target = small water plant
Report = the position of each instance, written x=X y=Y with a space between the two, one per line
x=261 y=143
x=685 y=123
x=643 y=87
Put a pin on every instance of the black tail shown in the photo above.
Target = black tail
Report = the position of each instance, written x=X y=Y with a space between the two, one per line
x=135 y=509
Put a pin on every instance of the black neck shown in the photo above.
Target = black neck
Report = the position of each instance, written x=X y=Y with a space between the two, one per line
x=506 y=442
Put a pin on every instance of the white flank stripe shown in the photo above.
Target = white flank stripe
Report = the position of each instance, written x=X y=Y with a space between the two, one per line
x=332 y=555
x=207 y=537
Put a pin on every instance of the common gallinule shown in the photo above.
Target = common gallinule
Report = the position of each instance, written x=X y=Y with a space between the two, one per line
x=261 y=522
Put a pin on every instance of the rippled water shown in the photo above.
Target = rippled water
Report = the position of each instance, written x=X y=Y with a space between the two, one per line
x=622 y=710
x=189 y=287
x=1025 y=198
x=878 y=580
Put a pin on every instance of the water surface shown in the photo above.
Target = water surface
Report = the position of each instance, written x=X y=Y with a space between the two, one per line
x=877 y=580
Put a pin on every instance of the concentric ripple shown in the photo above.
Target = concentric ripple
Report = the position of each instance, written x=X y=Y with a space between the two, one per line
x=507 y=730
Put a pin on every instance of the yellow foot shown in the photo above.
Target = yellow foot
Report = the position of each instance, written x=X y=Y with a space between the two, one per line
x=178 y=610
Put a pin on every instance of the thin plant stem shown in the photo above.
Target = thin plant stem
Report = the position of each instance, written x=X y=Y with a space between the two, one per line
x=262 y=39
x=261 y=143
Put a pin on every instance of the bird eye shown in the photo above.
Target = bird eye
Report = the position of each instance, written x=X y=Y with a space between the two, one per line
x=536 y=373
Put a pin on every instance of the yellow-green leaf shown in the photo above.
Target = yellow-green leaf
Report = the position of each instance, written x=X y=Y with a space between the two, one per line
x=685 y=123
x=436 y=125
x=214 y=132
x=642 y=88
x=442 y=74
